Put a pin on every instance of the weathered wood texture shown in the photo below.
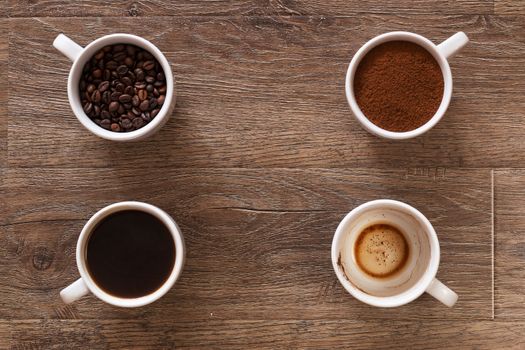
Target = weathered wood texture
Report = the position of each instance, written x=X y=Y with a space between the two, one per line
x=4 y=53
x=86 y=8
x=510 y=244
x=509 y=7
x=269 y=92
x=289 y=334
x=258 y=240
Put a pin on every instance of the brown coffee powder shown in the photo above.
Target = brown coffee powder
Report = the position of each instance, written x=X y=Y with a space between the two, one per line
x=398 y=86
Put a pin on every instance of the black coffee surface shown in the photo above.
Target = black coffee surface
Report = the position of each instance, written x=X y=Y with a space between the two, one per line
x=130 y=254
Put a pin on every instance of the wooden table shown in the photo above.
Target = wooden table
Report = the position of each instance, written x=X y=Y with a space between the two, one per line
x=259 y=163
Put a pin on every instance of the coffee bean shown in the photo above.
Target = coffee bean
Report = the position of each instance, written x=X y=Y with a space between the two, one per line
x=96 y=96
x=112 y=65
x=149 y=65
x=122 y=87
x=143 y=94
x=126 y=124
x=135 y=101
x=127 y=81
x=138 y=123
x=105 y=123
x=124 y=98
x=88 y=107
x=144 y=105
x=114 y=106
x=129 y=90
x=103 y=86
x=115 y=95
x=122 y=70
x=97 y=73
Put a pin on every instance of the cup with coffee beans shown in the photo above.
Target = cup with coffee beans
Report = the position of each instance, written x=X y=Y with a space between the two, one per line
x=120 y=86
x=399 y=84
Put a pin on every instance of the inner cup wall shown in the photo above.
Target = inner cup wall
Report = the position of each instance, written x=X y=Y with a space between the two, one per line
x=415 y=267
x=88 y=52
x=445 y=71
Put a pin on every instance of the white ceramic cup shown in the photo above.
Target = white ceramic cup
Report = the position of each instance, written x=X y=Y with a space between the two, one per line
x=441 y=53
x=417 y=276
x=85 y=283
x=80 y=56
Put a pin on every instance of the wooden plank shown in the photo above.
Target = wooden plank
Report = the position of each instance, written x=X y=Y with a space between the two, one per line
x=509 y=7
x=4 y=92
x=262 y=334
x=122 y=8
x=510 y=244
x=258 y=240
x=269 y=92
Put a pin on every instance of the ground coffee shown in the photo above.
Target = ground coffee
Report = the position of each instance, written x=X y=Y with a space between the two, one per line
x=398 y=86
x=122 y=88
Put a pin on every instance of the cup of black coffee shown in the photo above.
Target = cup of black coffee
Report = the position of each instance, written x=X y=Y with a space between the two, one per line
x=120 y=86
x=129 y=254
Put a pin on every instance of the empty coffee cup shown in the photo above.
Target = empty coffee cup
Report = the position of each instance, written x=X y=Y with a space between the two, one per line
x=386 y=253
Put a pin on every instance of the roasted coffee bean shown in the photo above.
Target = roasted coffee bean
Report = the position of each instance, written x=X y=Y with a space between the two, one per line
x=112 y=65
x=144 y=105
x=114 y=106
x=149 y=65
x=149 y=79
x=96 y=97
x=129 y=90
x=122 y=88
x=103 y=86
x=126 y=124
x=122 y=70
x=138 y=123
x=105 y=123
x=115 y=95
x=135 y=101
x=124 y=98
x=143 y=94
x=88 y=107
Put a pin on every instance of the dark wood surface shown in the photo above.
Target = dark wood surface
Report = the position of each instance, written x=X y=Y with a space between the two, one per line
x=259 y=163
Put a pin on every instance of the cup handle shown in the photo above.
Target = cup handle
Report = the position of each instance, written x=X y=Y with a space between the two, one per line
x=452 y=45
x=442 y=293
x=68 y=47
x=74 y=291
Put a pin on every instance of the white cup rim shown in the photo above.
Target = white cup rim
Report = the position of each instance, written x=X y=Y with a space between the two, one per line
x=74 y=98
x=130 y=205
x=403 y=36
x=413 y=292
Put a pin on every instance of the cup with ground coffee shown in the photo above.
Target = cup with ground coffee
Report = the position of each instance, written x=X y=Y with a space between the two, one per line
x=386 y=253
x=399 y=84
x=120 y=86
x=129 y=254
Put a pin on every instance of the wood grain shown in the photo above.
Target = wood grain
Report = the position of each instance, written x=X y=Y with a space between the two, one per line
x=88 y=8
x=268 y=92
x=258 y=240
x=4 y=54
x=348 y=333
x=510 y=244
x=509 y=7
